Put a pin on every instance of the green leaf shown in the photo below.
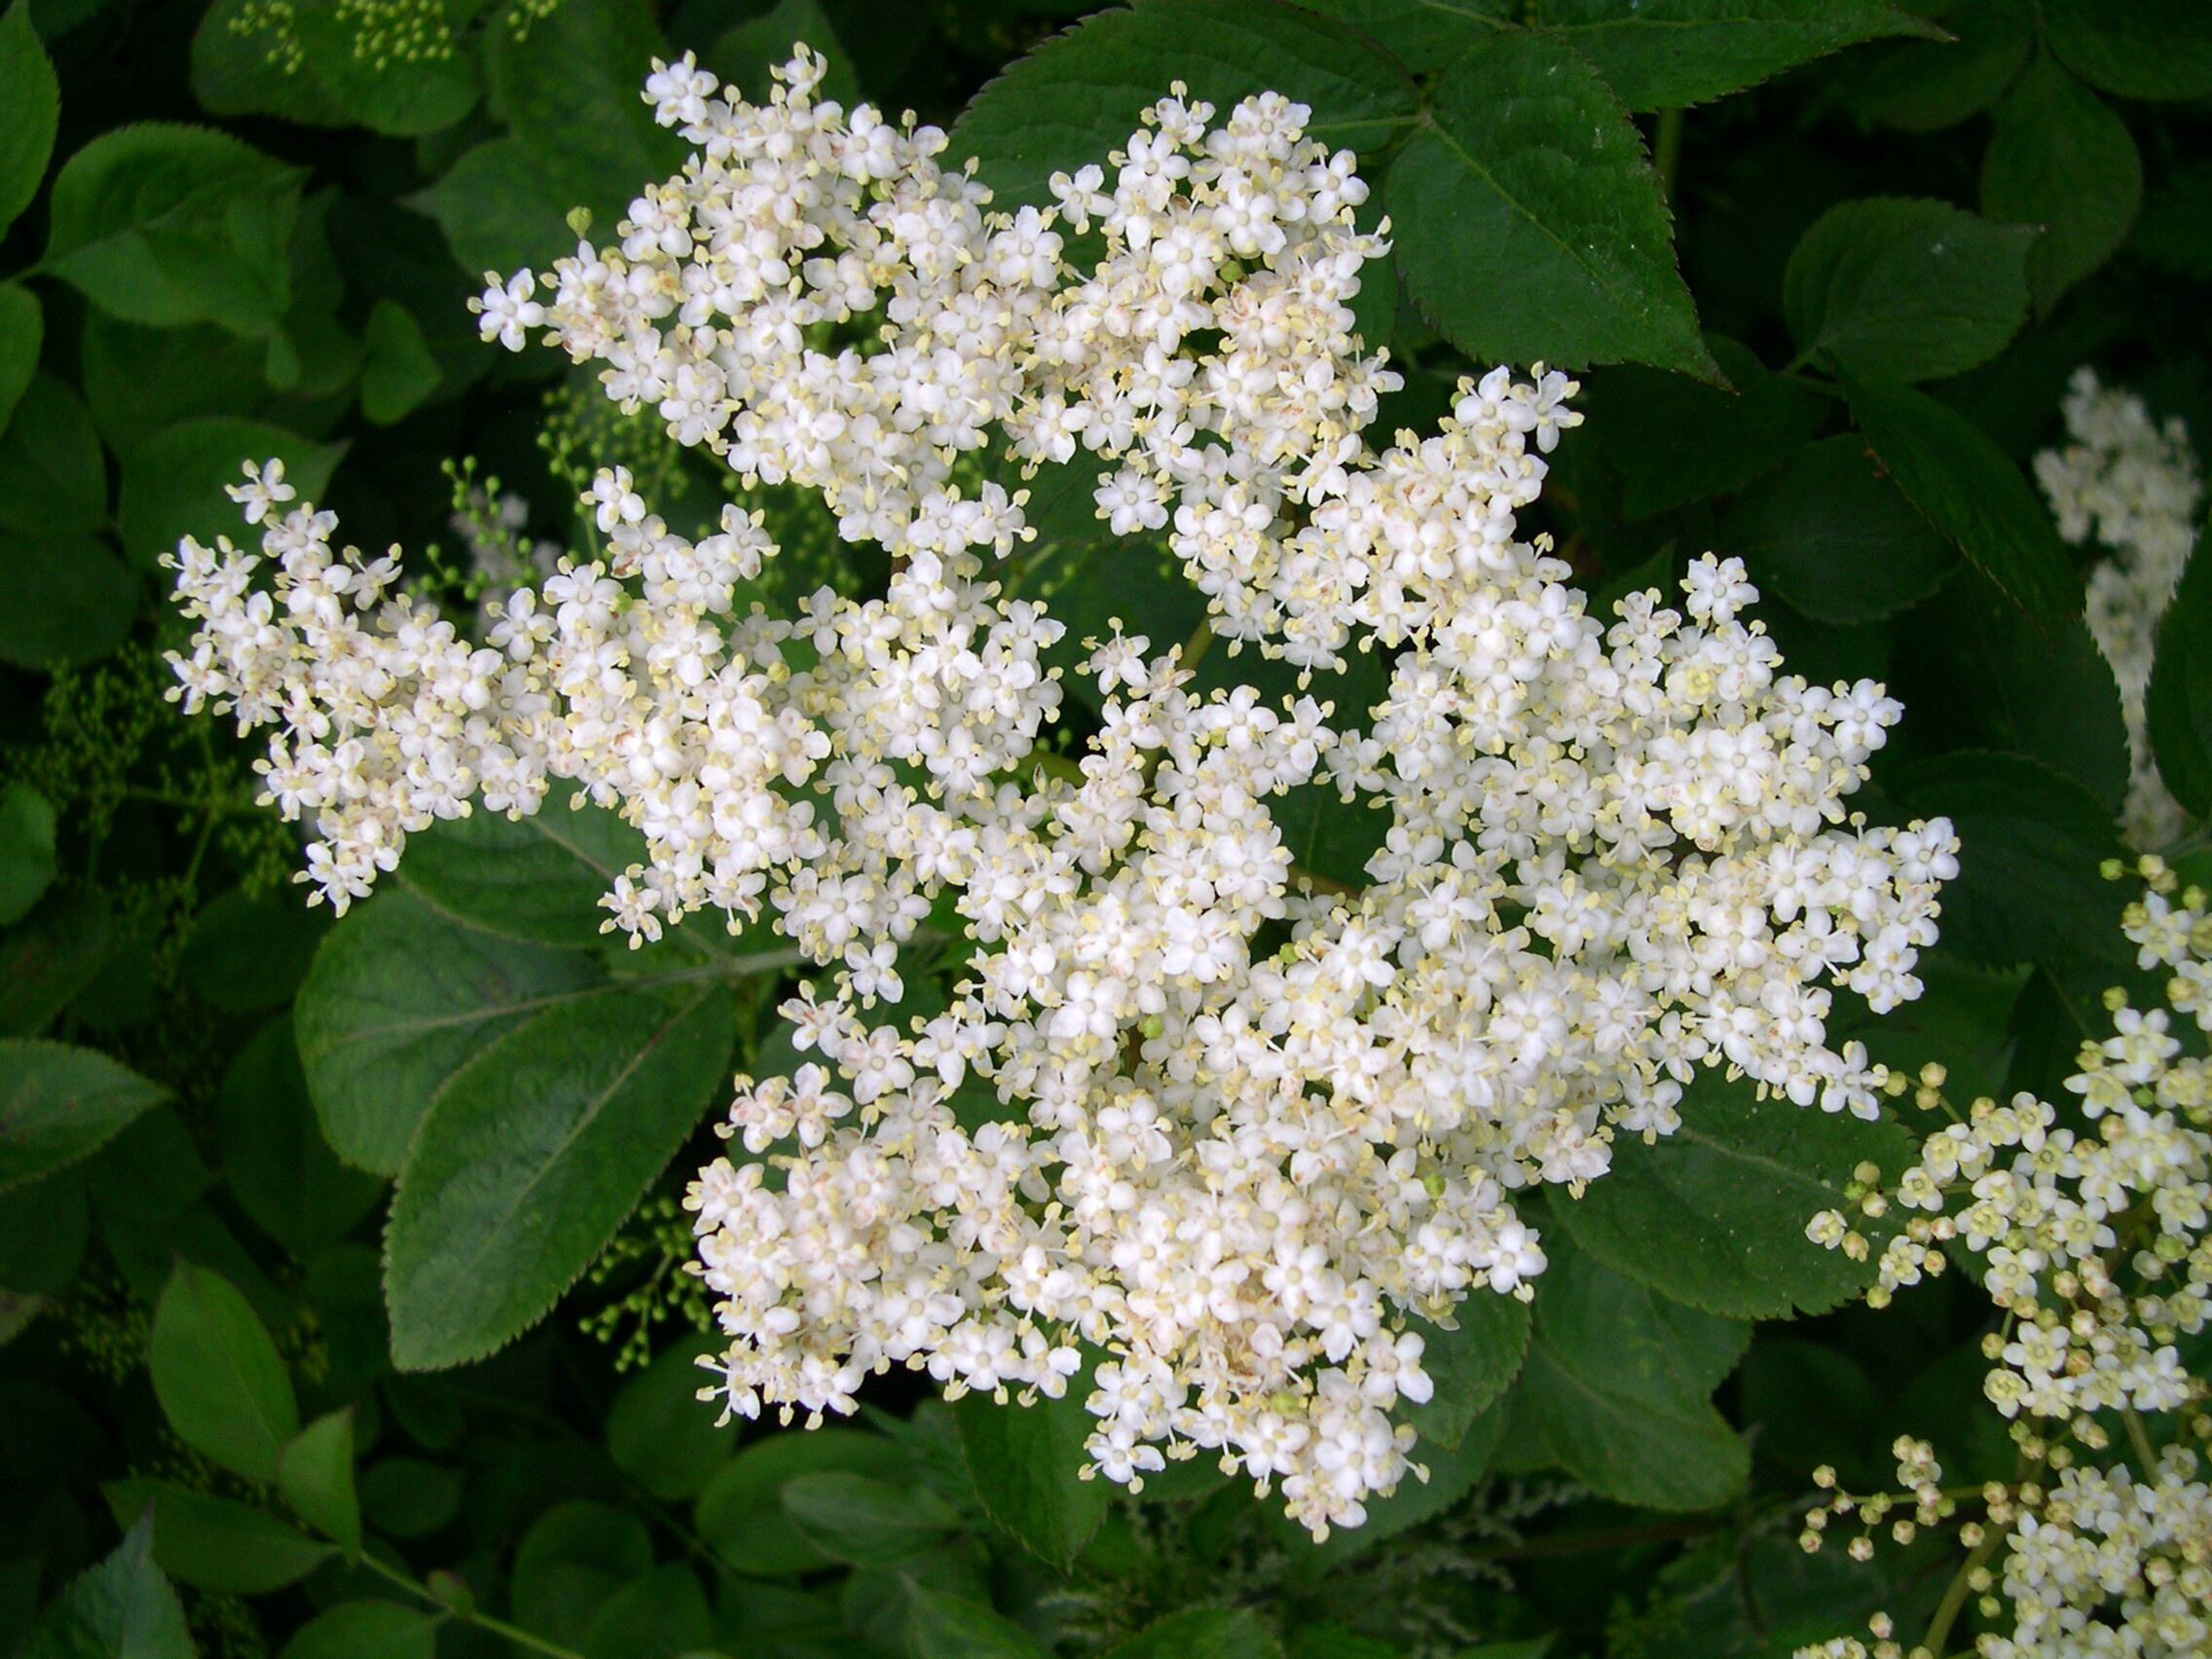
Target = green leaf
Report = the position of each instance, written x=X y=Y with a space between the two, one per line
x=30 y=109
x=500 y=210
x=940 y=1626
x=741 y=1514
x=1713 y=1215
x=1888 y=288
x=531 y=1155
x=1618 y=1383
x=2179 y=703
x=23 y=332
x=1201 y=1633
x=2174 y=230
x=49 y=957
x=1834 y=537
x=173 y=482
x=75 y=601
x=1971 y=493
x=2030 y=842
x=410 y=1497
x=219 y=1378
x=539 y=878
x=1471 y=1366
x=1805 y=1404
x=281 y=1171
x=368 y=1629
x=400 y=97
x=745 y=55
x=570 y=1561
x=52 y=482
x=59 y=1104
x=1530 y=223
x=659 y=1431
x=1676 y=440
x=2144 y=49
x=315 y=1474
x=1424 y=35
x=1027 y=1461
x=1077 y=96
x=123 y=1609
x=866 y=1523
x=239 y=67
x=249 y=951
x=140 y=380
x=2062 y=159
x=27 y=850
x=164 y=224
x=659 y=1615
x=1926 y=87
x=43 y=1228
x=217 y=1543
x=400 y=997
x=1666 y=53
x=400 y=370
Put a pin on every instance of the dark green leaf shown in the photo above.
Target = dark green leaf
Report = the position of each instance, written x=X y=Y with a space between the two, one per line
x=27 y=850
x=2030 y=842
x=281 y=1171
x=1973 y=495
x=30 y=108
x=2174 y=230
x=123 y=1609
x=400 y=997
x=75 y=602
x=2061 y=160
x=173 y=483
x=661 y=1433
x=741 y=1516
x=1894 y=289
x=43 y=1227
x=531 y=1155
x=1806 y=1404
x=59 y=1104
x=500 y=210
x=250 y=952
x=52 y=482
x=745 y=56
x=1201 y=1633
x=217 y=1543
x=140 y=380
x=1928 y=87
x=539 y=878
x=403 y=98
x=410 y=1497
x=1713 y=1215
x=22 y=331
x=1665 y=53
x=1027 y=1461
x=219 y=1378
x=400 y=370
x=947 y=1627
x=1618 y=1383
x=2179 y=703
x=367 y=1628
x=1674 y=440
x=1077 y=96
x=866 y=1523
x=2144 y=49
x=657 y=1615
x=1470 y=1366
x=239 y=67
x=164 y=224
x=568 y=1564
x=1833 y=536
x=1424 y=35
x=1530 y=223
x=315 y=1474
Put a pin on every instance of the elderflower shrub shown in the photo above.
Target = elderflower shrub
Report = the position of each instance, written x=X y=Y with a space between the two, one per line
x=2094 y=1245
x=1228 y=1127
x=2133 y=485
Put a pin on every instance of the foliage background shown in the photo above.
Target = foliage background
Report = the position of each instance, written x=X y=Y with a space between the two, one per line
x=1831 y=264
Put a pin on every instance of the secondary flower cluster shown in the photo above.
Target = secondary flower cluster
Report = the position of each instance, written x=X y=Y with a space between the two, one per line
x=2096 y=1247
x=2132 y=484
x=1230 y=1130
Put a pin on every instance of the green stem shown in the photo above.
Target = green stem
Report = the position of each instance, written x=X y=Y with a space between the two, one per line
x=1195 y=645
x=1666 y=149
x=1955 y=1597
x=467 y=1615
x=2139 y=1437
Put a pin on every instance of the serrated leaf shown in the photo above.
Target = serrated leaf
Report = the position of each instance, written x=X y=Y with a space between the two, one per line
x=280 y=1170
x=368 y=1629
x=23 y=332
x=315 y=1474
x=538 y=879
x=216 y=1544
x=741 y=1515
x=1888 y=288
x=1938 y=84
x=30 y=110
x=2179 y=703
x=1424 y=35
x=2061 y=159
x=1618 y=1389
x=1834 y=537
x=123 y=1609
x=1972 y=491
x=1666 y=53
x=218 y=1376
x=1471 y=1366
x=1530 y=223
x=173 y=482
x=1027 y=1462
x=1077 y=96
x=399 y=999
x=1712 y=1216
x=2144 y=49
x=658 y=1431
x=868 y=1523
x=59 y=1103
x=533 y=1152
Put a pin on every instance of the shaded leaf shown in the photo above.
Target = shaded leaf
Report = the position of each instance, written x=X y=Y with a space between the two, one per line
x=30 y=109
x=400 y=370
x=500 y=210
x=2145 y=48
x=22 y=331
x=281 y=1171
x=1201 y=1633
x=315 y=1474
x=1938 y=84
x=866 y=1523
x=659 y=1431
x=173 y=482
x=368 y=1629
x=741 y=1514
x=570 y=1561
x=1027 y=1462
x=248 y=952
x=216 y=1544
x=409 y=1497
x=59 y=1103
x=1834 y=537
x=2062 y=159
x=27 y=850
x=2178 y=706
x=1471 y=1366
x=218 y=1376
x=947 y=1627
x=43 y=1228
x=657 y=1615
x=2174 y=230
x=539 y=878
x=123 y=1609
x=53 y=481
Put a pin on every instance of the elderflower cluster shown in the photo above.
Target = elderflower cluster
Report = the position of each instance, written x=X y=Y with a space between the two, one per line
x=2098 y=1248
x=1226 y=1124
x=2134 y=486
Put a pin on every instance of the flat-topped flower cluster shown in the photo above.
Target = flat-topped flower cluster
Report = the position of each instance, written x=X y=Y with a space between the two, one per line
x=1231 y=1127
